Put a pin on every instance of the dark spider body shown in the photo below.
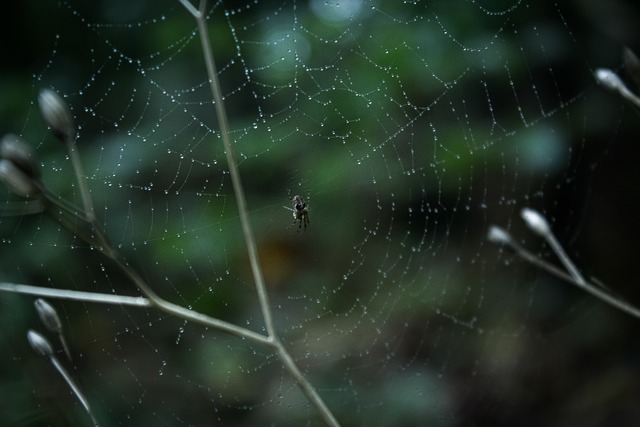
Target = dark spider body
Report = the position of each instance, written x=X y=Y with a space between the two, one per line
x=300 y=212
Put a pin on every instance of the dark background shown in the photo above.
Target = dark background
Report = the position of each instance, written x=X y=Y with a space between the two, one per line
x=408 y=143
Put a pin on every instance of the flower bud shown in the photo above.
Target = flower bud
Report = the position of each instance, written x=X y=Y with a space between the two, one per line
x=56 y=114
x=609 y=79
x=17 y=180
x=535 y=221
x=499 y=235
x=21 y=154
x=48 y=315
x=39 y=344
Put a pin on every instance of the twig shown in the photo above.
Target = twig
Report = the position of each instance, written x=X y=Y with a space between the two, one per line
x=500 y=236
x=236 y=181
x=247 y=232
x=74 y=295
x=538 y=224
x=170 y=308
x=42 y=347
x=611 y=81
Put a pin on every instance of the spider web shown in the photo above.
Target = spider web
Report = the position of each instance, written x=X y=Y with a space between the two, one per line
x=408 y=128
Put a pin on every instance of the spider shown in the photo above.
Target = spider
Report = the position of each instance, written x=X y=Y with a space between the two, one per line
x=300 y=212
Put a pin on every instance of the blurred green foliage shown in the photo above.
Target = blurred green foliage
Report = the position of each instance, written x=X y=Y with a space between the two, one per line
x=409 y=128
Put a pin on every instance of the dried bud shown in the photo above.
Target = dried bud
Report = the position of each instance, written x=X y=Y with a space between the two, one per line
x=39 y=344
x=632 y=65
x=48 y=315
x=609 y=79
x=21 y=154
x=499 y=235
x=535 y=221
x=17 y=180
x=56 y=114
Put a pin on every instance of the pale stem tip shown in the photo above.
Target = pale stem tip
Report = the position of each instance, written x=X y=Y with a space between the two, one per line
x=535 y=221
x=39 y=344
x=609 y=79
x=20 y=153
x=17 y=180
x=499 y=235
x=57 y=115
x=48 y=315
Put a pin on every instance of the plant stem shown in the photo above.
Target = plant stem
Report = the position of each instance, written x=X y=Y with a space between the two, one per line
x=577 y=281
x=74 y=388
x=178 y=310
x=68 y=294
x=223 y=122
x=305 y=385
x=582 y=284
x=85 y=195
